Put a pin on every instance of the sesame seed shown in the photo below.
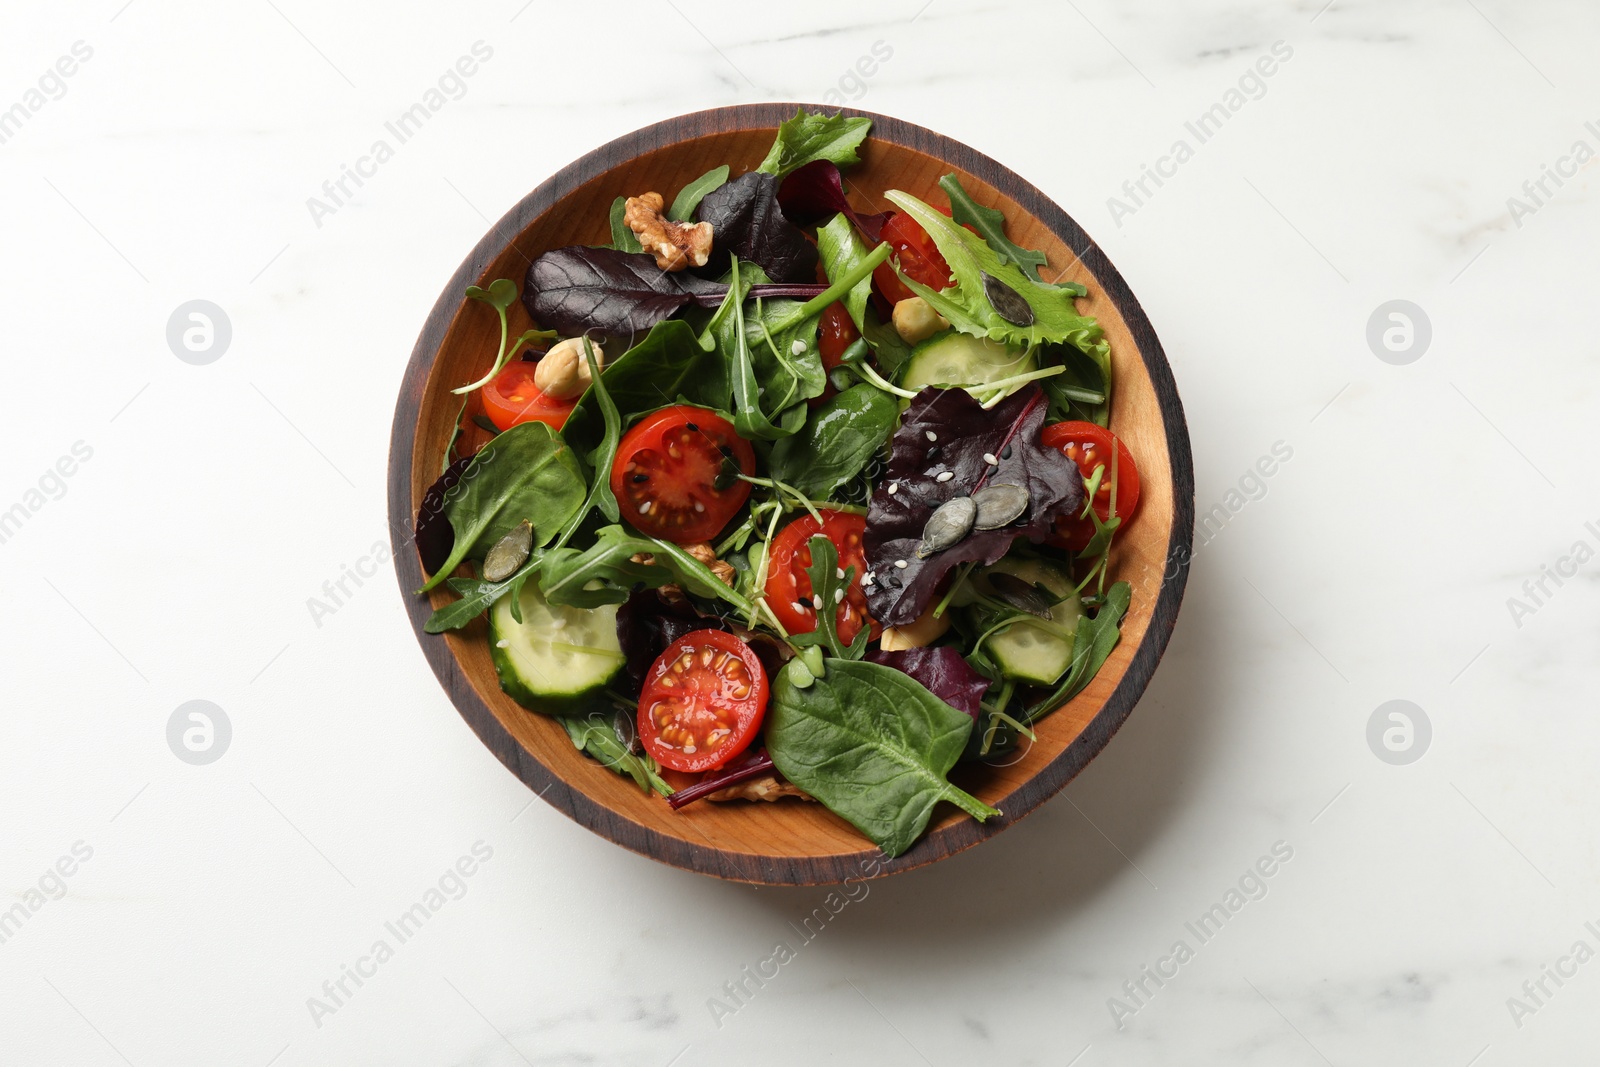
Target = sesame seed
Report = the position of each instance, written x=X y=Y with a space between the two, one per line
x=894 y=487
x=838 y=595
x=945 y=476
x=989 y=458
x=900 y=564
x=644 y=508
x=502 y=644
x=699 y=506
x=838 y=572
x=930 y=435
x=798 y=347
x=799 y=606
x=869 y=579
x=1005 y=453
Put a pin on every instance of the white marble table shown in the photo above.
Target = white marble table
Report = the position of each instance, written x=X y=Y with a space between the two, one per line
x=198 y=510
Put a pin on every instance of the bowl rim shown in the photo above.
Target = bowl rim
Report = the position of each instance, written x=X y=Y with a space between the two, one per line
x=704 y=858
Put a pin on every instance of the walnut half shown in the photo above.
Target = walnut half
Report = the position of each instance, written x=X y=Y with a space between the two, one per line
x=702 y=551
x=766 y=787
x=675 y=245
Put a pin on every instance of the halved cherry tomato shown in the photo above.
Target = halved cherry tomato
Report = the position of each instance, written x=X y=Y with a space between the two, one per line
x=676 y=474
x=789 y=586
x=512 y=398
x=1091 y=446
x=702 y=702
x=917 y=255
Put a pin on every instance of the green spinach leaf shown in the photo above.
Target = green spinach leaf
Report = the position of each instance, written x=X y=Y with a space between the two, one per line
x=811 y=136
x=872 y=744
x=992 y=225
x=622 y=238
x=689 y=197
x=966 y=304
x=594 y=734
x=529 y=473
x=838 y=441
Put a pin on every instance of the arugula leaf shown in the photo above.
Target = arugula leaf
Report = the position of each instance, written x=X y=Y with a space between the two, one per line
x=600 y=460
x=596 y=735
x=839 y=439
x=992 y=225
x=690 y=195
x=967 y=306
x=1083 y=391
x=477 y=596
x=567 y=572
x=622 y=238
x=811 y=136
x=873 y=745
x=763 y=364
x=827 y=592
x=1096 y=637
x=529 y=473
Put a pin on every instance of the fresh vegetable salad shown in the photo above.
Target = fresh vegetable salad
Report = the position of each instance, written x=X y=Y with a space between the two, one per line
x=786 y=498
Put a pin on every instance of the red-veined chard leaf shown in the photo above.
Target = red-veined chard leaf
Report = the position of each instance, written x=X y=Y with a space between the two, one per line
x=942 y=671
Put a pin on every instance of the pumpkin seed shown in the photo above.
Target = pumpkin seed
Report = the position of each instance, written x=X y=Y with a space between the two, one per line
x=947 y=526
x=1006 y=301
x=999 y=505
x=509 y=553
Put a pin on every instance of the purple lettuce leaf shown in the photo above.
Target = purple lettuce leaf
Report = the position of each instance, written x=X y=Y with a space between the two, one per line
x=946 y=430
x=746 y=221
x=577 y=289
x=434 y=535
x=650 y=620
x=815 y=193
x=942 y=671
x=616 y=296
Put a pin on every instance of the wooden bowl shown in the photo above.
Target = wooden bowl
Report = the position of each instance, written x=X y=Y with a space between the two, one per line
x=792 y=842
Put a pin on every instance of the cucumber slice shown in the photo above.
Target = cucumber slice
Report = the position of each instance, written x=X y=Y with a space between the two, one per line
x=556 y=655
x=1026 y=651
x=1053 y=576
x=951 y=357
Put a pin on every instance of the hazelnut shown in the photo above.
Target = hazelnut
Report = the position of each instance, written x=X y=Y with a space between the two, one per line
x=563 y=373
x=916 y=321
